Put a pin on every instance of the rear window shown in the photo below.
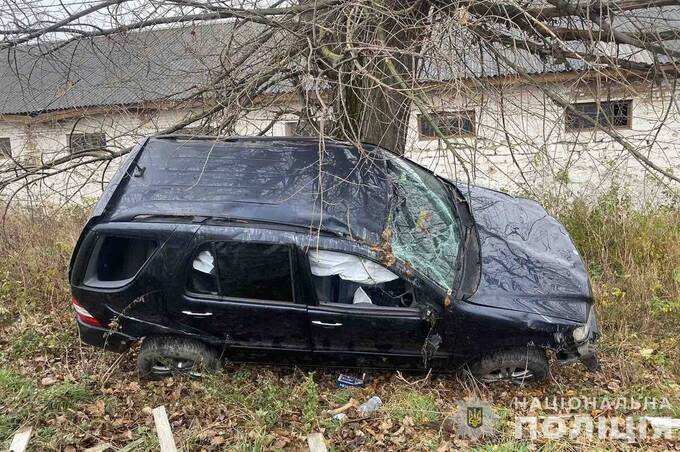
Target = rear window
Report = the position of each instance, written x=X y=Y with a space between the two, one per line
x=117 y=259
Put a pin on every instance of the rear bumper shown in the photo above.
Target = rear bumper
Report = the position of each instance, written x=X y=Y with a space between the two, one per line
x=104 y=338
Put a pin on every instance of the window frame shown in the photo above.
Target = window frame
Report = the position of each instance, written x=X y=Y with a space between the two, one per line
x=598 y=125
x=6 y=154
x=471 y=115
x=70 y=136
x=220 y=297
x=352 y=307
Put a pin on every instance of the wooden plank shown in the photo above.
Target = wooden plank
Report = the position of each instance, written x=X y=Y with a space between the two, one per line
x=316 y=442
x=20 y=440
x=163 y=430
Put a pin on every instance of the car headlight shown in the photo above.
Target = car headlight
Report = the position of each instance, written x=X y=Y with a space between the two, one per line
x=582 y=332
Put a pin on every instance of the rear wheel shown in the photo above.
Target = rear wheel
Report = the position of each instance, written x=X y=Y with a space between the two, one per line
x=520 y=366
x=164 y=356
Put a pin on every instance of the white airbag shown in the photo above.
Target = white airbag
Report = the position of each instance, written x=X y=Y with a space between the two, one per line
x=348 y=267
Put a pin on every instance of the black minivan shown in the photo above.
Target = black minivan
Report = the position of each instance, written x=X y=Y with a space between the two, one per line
x=317 y=252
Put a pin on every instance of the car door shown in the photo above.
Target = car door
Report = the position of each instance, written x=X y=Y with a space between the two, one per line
x=245 y=294
x=373 y=334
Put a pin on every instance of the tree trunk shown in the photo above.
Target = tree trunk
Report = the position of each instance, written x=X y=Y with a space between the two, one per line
x=371 y=104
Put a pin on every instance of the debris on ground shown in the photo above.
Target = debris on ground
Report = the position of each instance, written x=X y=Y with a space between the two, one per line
x=369 y=406
x=347 y=381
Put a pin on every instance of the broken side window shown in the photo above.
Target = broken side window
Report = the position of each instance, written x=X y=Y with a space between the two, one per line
x=203 y=273
x=115 y=260
x=352 y=280
x=423 y=222
x=256 y=271
x=253 y=271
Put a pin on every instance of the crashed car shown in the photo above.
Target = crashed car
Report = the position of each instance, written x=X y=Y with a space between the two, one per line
x=316 y=252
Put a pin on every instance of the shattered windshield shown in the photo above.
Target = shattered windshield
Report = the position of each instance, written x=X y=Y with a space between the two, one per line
x=423 y=223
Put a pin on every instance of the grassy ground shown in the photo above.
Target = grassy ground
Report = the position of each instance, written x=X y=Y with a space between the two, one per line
x=76 y=397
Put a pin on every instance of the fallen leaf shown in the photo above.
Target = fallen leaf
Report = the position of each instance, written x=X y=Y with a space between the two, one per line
x=99 y=407
x=48 y=381
x=217 y=441
x=646 y=352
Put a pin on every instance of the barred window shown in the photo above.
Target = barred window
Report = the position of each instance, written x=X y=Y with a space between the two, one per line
x=602 y=114
x=450 y=123
x=298 y=129
x=5 y=148
x=80 y=142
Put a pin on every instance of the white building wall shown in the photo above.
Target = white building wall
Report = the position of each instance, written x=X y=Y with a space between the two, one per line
x=524 y=147
x=521 y=145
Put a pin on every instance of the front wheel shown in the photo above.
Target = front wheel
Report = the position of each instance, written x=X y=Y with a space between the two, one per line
x=520 y=366
x=165 y=356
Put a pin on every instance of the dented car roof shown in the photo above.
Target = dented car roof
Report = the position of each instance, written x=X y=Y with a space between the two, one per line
x=273 y=180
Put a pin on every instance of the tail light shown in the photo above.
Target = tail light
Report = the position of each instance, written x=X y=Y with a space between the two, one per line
x=83 y=315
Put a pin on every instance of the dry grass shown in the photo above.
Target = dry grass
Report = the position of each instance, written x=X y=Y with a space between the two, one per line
x=75 y=396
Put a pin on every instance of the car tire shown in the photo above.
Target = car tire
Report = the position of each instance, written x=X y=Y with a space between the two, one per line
x=526 y=366
x=164 y=356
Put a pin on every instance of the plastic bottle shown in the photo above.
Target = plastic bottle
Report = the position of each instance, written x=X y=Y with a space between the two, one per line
x=369 y=406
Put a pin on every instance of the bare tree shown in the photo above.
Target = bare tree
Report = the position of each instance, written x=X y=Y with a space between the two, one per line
x=355 y=70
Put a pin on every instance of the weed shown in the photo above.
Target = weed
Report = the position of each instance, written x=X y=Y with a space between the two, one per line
x=311 y=401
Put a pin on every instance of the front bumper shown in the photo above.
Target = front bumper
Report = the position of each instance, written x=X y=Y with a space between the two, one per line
x=104 y=338
x=585 y=349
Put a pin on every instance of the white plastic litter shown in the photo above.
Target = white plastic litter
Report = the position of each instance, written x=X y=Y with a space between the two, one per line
x=348 y=267
x=361 y=297
x=204 y=262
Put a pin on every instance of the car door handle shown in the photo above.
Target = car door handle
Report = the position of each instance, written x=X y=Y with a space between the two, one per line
x=319 y=322
x=197 y=314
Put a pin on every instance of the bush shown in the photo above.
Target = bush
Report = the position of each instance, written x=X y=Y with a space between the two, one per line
x=633 y=256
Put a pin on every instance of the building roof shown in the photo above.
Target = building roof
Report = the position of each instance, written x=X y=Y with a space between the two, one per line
x=171 y=63
x=176 y=63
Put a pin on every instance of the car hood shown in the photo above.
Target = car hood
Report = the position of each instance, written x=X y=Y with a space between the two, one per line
x=528 y=261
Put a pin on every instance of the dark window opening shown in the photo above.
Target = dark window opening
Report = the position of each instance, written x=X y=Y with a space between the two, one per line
x=450 y=123
x=118 y=258
x=253 y=271
x=333 y=289
x=5 y=148
x=81 y=142
x=602 y=114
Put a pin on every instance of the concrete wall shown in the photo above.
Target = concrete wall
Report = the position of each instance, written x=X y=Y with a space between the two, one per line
x=520 y=145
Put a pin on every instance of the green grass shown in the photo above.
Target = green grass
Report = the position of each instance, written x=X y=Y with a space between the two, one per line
x=22 y=402
x=262 y=398
x=422 y=408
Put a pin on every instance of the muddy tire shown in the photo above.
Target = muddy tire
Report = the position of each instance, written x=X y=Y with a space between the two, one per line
x=165 y=356
x=526 y=366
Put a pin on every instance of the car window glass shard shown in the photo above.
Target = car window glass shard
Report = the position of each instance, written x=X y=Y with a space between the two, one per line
x=424 y=225
x=204 y=262
x=348 y=267
x=203 y=276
